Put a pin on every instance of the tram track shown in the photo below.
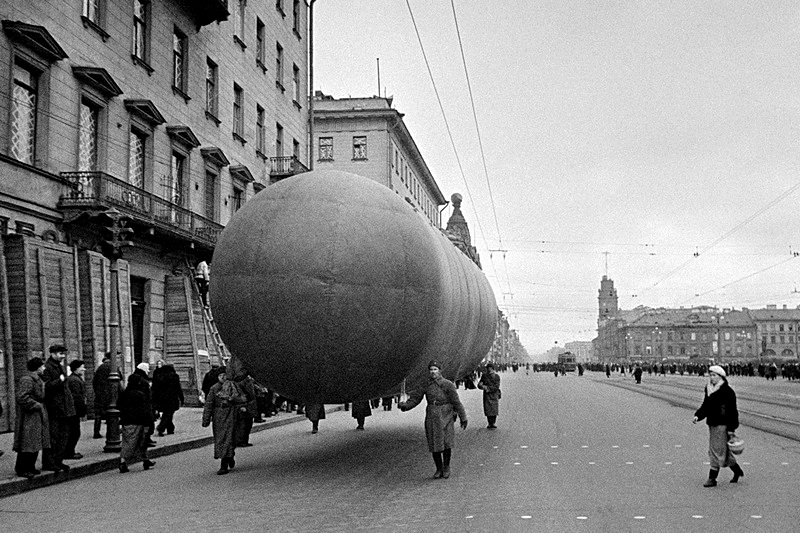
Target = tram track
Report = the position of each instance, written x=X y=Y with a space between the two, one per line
x=755 y=411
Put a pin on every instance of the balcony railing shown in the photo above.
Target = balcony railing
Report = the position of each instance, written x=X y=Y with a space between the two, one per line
x=92 y=190
x=285 y=166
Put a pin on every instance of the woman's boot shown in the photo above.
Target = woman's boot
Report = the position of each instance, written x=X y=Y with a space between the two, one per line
x=223 y=469
x=446 y=463
x=737 y=473
x=712 y=478
x=437 y=459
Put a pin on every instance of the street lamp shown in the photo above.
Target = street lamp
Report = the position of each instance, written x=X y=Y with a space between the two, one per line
x=115 y=237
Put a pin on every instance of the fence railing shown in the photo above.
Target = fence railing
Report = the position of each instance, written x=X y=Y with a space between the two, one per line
x=287 y=165
x=92 y=189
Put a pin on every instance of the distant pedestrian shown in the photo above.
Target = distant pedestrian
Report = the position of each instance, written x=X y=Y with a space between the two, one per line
x=244 y=419
x=490 y=385
x=361 y=410
x=386 y=401
x=440 y=414
x=315 y=412
x=31 y=431
x=637 y=373
x=77 y=388
x=222 y=403
x=136 y=418
x=608 y=371
x=60 y=407
x=722 y=417
x=102 y=393
x=167 y=397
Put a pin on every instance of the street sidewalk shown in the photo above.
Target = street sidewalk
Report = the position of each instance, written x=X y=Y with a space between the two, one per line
x=189 y=434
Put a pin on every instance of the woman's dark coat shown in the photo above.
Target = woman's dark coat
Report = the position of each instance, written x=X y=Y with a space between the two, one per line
x=102 y=388
x=719 y=408
x=443 y=406
x=167 y=390
x=361 y=409
x=135 y=403
x=315 y=412
x=490 y=384
x=77 y=387
x=32 y=431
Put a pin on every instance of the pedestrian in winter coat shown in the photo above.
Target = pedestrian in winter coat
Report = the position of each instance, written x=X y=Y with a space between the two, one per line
x=722 y=417
x=637 y=374
x=60 y=407
x=244 y=419
x=315 y=412
x=136 y=419
x=360 y=411
x=31 y=432
x=77 y=389
x=167 y=397
x=440 y=414
x=222 y=404
x=102 y=393
x=490 y=385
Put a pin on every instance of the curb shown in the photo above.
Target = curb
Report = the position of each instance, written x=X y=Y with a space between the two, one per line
x=20 y=485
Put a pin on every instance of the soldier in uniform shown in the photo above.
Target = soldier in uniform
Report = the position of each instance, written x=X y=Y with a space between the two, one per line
x=443 y=407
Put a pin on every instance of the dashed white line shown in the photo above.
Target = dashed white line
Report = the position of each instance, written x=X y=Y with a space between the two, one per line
x=553 y=463
x=668 y=463
x=523 y=447
x=756 y=516
x=470 y=516
x=517 y=464
x=678 y=446
x=646 y=446
x=584 y=446
x=639 y=517
x=554 y=446
x=628 y=462
x=526 y=517
x=591 y=462
x=582 y=517
x=615 y=446
x=697 y=516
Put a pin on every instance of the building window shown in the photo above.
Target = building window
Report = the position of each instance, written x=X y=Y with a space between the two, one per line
x=141 y=17
x=260 y=131
x=359 y=147
x=24 y=103
x=91 y=10
x=326 y=148
x=260 y=44
x=780 y=327
x=296 y=17
x=93 y=16
x=242 y=17
x=237 y=199
x=179 y=55
x=279 y=7
x=238 y=111
x=136 y=158
x=278 y=140
x=87 y=136
x=296 y=84
x=782 y=339
x=177 y=179
x=279 y=65
x=296 y=149
x=211 y=88
x=211 y=195
x=238 y=20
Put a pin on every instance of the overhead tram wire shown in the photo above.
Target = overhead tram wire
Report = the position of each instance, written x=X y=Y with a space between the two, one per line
x=449 y=132
x=480 y=142
x=729 y=233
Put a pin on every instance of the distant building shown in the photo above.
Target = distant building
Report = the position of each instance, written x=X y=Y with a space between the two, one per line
x=582 y=350
x=367 y=136
x=777 y=331
x=701 y=333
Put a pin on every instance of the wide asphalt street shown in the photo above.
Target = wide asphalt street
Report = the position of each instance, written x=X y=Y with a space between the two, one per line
x=571 y=454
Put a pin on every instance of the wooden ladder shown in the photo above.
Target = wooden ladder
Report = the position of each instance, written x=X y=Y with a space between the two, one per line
x=208 y=318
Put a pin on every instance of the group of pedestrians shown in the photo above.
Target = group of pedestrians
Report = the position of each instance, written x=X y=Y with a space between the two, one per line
x=51 y=404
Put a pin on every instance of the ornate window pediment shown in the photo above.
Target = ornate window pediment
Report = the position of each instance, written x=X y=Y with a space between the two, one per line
x=242 y=173
x=99 y=78
x=36 y=38
x=183 y=135
x=215 y=156
x=258 y=187
x=146 y=110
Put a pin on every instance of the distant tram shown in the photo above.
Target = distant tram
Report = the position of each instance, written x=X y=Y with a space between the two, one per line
x=567 y=361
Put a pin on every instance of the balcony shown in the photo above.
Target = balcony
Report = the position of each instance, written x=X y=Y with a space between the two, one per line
x=96 y=191
x=207 y=11
x=285 y=166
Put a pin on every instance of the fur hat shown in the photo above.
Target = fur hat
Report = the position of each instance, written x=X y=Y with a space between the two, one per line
x=144 y=367
x=34 y=364
x=717 y=370
x=75 y=364
x=435 y=363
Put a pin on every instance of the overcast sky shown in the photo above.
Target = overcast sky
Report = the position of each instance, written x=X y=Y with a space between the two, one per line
x=651 y=130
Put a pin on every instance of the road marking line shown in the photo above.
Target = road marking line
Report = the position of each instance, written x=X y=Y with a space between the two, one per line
x=524 y=447
x=697 y=516
x=526 y=517
x=678 y=446
x=591 y=462
x=639 y=517
x=470 y=516
x=584 y=446
x=553 y=463
x=495 y=447
x=628 y=462
x=668 y=463
x=554 y=446
x=756 y=516
x=615 y=446
x=784 y=464
x=517 y=464
x=646 y=446
x=582 y=517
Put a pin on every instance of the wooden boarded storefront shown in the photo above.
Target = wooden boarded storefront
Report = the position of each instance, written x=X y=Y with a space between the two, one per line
x=95 y=300
x=7 y=380
x=42 y=282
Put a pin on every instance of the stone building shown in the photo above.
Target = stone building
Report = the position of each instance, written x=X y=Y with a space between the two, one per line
x=366 y=136
x=777 y=331
x=173 y=113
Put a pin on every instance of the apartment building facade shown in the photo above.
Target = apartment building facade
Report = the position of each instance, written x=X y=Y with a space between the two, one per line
x=172 y=113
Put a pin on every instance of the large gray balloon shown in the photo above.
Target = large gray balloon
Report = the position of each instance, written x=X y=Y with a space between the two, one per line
x=330 y=288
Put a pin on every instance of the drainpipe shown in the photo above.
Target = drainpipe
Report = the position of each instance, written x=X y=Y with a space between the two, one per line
x=310 y=149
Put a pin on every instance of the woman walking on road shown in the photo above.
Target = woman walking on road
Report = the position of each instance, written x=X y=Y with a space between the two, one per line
x=443 y=406
x=223 y=402
x=136 y=418
x=722 y=417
